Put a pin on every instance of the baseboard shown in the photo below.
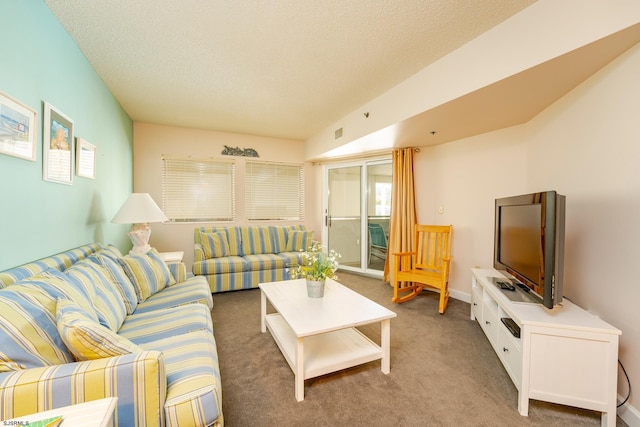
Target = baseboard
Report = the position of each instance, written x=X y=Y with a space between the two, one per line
x=462 y=296
x=629 y=414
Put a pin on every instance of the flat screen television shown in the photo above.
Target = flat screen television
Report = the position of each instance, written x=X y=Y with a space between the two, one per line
x=529 y=242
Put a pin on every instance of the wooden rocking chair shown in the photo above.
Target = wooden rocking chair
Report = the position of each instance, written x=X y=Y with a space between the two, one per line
x=427 y=266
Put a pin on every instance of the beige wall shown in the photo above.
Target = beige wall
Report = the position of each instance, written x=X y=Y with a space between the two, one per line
x=586 y=146
x=152 y=141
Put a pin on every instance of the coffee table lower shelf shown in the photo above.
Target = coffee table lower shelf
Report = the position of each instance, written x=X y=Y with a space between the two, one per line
x=323 y=353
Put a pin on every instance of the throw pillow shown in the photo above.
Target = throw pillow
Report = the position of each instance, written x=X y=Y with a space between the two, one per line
x=107 y=301
x=148 y=273
x=119 y=279
x=86 y=339
x=215 y=245
x=256 y=240
x=58 y=285
x=298 y=240
x=28 y=332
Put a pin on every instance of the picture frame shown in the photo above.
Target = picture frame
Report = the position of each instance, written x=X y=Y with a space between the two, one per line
x=58 y=146
x=85 y=159
x=18 y=128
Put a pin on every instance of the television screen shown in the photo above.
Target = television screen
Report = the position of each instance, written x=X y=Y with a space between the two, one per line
x=521 y=240
x=529 y=242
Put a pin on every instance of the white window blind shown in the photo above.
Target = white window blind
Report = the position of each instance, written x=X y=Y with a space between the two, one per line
x=274 y=191
x=198 y=189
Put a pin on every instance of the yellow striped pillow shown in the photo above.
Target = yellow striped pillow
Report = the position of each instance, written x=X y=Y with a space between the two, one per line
x=298 y=240
x=148 y=273
x=107 y=301
x=28 y=331
x=87 y=339
x=215 y=245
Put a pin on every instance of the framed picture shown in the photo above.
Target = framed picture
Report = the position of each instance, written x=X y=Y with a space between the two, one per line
x=58 y=146
x=85 y=159
x=17 y=128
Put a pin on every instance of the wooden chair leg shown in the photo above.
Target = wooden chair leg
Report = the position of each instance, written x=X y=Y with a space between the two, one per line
x=413 y=291
x=444 y=300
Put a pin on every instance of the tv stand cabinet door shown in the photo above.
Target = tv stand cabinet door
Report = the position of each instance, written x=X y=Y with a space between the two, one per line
x=570 y=367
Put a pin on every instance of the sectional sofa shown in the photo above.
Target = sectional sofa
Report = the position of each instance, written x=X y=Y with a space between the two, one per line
x=90 y=323
x=241 y=257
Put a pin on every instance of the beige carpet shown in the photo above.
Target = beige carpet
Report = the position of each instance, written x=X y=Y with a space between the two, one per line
x=443 y=372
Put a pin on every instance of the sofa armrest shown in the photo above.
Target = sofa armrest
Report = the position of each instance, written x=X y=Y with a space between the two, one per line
x=138 y=380
x=198 y=252
x=178 y=270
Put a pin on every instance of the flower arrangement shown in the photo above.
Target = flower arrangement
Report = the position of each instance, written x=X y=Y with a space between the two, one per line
x=316 y=265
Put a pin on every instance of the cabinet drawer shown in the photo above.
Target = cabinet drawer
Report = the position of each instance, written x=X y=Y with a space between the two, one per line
x=476 y=303
x=509 y=350
x=490 y=325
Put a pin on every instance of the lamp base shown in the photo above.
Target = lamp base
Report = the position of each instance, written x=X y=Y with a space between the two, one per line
x=139 y=236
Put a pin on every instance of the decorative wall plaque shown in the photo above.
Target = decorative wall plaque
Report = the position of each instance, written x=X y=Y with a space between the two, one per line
x=236 y=151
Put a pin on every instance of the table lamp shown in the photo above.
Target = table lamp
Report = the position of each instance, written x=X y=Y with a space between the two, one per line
x=139 y=210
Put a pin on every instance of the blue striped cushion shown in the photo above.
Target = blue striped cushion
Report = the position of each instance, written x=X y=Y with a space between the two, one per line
x=215 y=245
x=155 y=325
x=119 y=279
x=264 y=262
x=298 y=240
x=279 y=235
x=28 y=334
x=291 y=258
x=111 y=251
x=235 y=241
x=178 y=270
x=193 y=290
x=57 y=285
x=256 y=240
x=234 y=237
x=87 y=339
x=194 y=390
x=106 y=299
x=148 y=273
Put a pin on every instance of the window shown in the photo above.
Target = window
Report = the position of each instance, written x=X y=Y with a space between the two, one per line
x=198 y=189
x=274 y=191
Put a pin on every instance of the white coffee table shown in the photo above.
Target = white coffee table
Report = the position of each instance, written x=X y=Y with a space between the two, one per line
x=318 y=335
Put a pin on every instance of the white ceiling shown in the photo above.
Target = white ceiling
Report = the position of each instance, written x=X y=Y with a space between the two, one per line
x=279 y=68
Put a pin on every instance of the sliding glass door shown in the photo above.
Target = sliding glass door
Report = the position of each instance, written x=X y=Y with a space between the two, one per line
x=357 y=209
x=343 y=219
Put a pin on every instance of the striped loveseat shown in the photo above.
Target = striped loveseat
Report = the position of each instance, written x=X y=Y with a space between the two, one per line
x=90 y=323
x=241 y=257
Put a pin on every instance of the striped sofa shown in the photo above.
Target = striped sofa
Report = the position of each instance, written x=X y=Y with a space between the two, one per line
x=241 y=257
x=90 y=323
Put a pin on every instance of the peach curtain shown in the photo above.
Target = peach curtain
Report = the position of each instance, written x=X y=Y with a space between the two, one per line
x=403 y=208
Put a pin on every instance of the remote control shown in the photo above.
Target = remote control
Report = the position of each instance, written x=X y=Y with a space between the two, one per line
x=506 y=285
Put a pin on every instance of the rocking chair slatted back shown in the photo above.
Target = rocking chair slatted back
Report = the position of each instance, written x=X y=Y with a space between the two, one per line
x=433 y=246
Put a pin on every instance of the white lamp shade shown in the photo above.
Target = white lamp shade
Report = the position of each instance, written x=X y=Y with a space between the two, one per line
x=139 y=209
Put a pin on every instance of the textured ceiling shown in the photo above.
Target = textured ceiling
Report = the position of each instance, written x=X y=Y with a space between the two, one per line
x=283 y=69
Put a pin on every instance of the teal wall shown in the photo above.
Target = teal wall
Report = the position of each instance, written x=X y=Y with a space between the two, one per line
x=39 y=62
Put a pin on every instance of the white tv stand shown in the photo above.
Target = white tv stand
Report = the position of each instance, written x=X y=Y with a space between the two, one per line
x=565 y=355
